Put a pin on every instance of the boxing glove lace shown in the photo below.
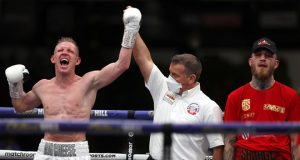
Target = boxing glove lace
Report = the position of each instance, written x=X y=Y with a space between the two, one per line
x=131 y=20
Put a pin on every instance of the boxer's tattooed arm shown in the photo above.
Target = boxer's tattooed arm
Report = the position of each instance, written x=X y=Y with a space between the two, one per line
x=293 y=146
x=229 y=147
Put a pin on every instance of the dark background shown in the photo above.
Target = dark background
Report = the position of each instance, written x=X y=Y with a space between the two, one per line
x=210 y=29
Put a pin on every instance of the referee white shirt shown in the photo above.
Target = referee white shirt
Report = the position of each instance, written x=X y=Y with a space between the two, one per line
x=193 y=106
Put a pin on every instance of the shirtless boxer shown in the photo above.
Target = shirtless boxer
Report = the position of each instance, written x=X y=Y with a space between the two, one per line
x=68 y=95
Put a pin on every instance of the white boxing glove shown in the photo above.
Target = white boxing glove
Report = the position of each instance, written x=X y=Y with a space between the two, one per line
x=16 y=75
x=131 y=19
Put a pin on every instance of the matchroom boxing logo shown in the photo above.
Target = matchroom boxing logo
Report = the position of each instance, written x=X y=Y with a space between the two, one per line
x=18 y=154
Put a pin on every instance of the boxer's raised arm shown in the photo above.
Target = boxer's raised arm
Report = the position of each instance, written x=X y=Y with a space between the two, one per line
x=131 y=19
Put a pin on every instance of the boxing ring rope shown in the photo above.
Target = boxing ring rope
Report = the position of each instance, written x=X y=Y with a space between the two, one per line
x=103 y=126
x=141 y=127
x=9 y=112
x=120 y=126
x=28 y=155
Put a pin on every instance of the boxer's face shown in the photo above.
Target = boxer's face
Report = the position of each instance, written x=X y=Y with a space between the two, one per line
x=65 y=57
x=263 y=63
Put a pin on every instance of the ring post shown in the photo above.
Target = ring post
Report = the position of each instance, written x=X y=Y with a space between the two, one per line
x=130 y=151
x=167 y=130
